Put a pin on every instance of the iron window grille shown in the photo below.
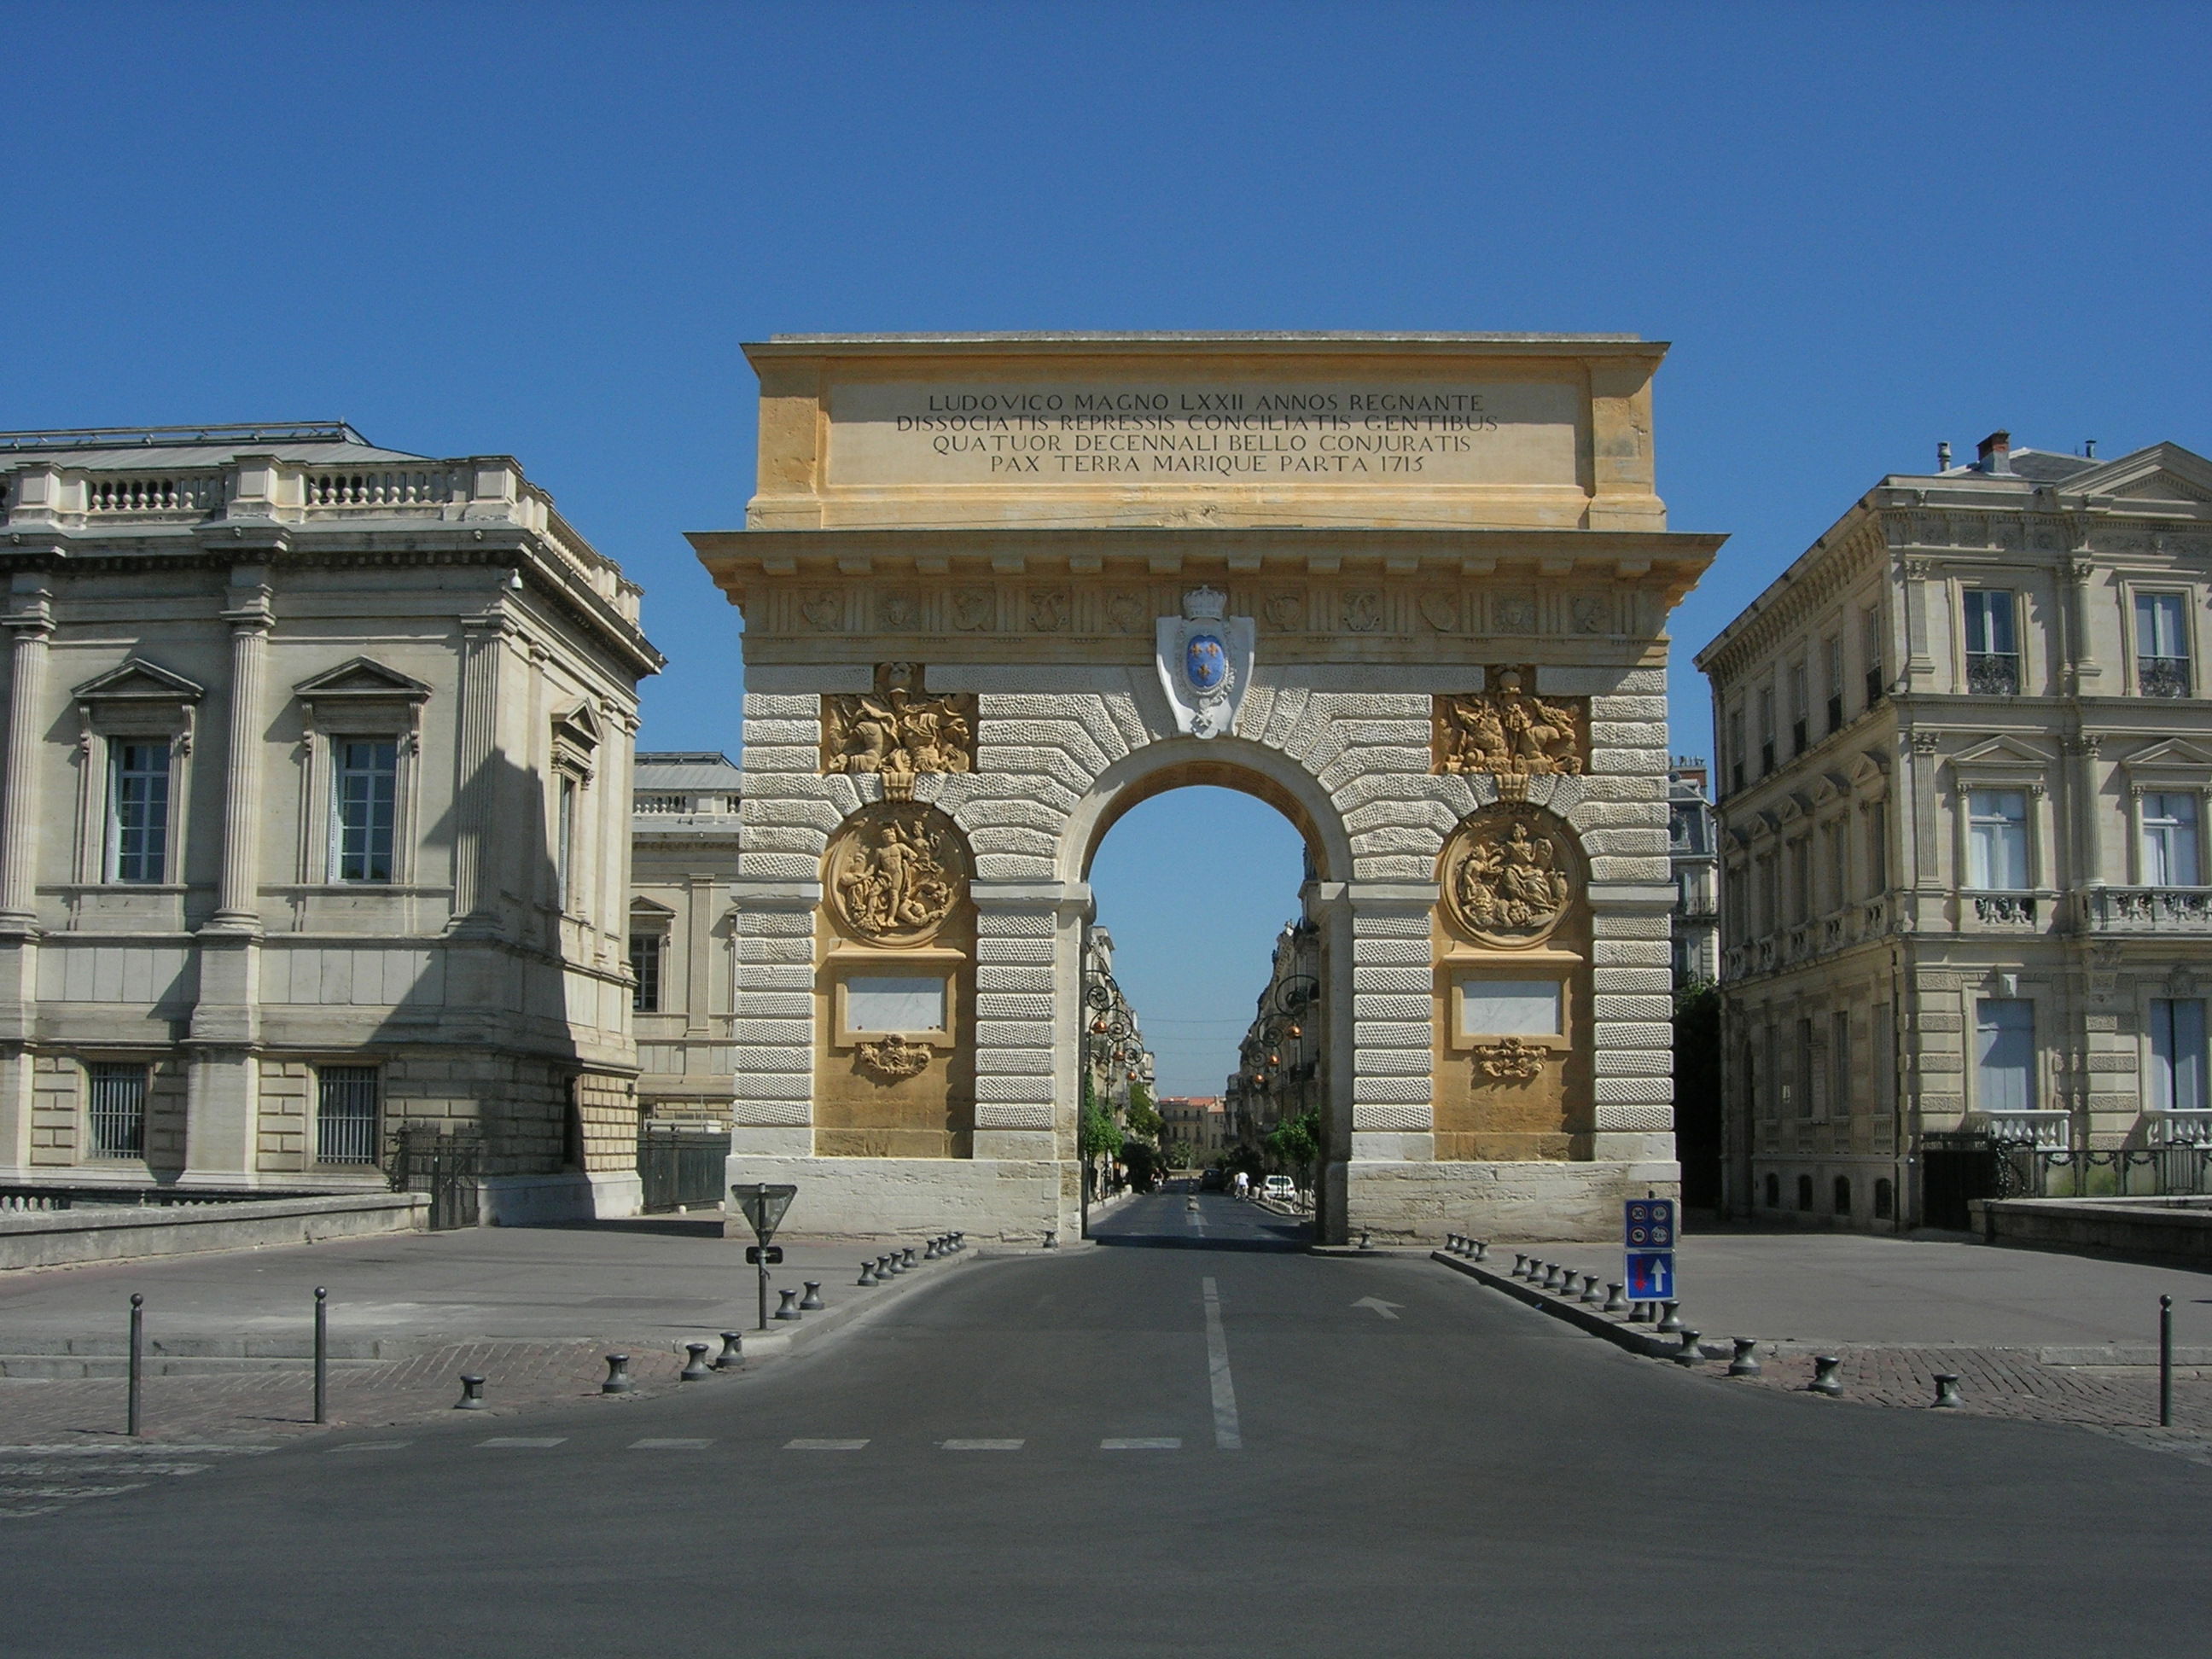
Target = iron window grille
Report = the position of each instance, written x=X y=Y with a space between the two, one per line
x=365 y=784
x=1992 y=647
x=346 y=1114
x=2161 y=647
x=119 y=1109
x=138 y=811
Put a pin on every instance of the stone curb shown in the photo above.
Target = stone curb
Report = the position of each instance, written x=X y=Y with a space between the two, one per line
x=1585 y=1319
x=776 y=1343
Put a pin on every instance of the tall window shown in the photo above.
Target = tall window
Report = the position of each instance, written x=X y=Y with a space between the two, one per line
x=119 y=1109
x=564 y=843
x=1996 y=840
x=1735 y=750
x=1799 y=724
x=1877 y=849
x=1885 y=1060
x=345 y=1115
x=1832 y=654
x=1992 y=646
x=365 y=791
x=1765 y=730
x=2169 y=842
x=2177 y=1054
x=2161 y=646
x=1870 y=653
x=2004 y=1054
x=645 y=962
x=1839 y=1063
x=1804 y=1068
x=138 y=811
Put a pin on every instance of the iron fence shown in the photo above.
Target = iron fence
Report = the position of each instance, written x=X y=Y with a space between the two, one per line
x=2178 y=1170
x=447 y=1166
x=680 y=1167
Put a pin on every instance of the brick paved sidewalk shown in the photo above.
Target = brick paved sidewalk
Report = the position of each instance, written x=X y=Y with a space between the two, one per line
x=278 y=1402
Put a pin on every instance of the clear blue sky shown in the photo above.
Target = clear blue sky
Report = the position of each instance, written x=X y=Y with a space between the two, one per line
x=543 y=229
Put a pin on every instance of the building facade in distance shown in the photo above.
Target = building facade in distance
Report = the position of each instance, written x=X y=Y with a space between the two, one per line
x=1280 y=1073
x=684 y=855
x=314 y=821
x=1691 y=853
x=1965 y=750
x=1197 y=1122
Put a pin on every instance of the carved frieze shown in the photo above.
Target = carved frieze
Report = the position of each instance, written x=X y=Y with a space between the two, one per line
x=894 y=872
x=1508 y=1060
x=1510 y=731
x=1509 y=874
x=891 y=1059
x=898 y=729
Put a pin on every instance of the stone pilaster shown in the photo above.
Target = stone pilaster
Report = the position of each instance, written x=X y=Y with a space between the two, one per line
x=238 y=904
x=772 y=1108
x=483 y=651
x=1028 y=1016
x=1390 y=969
x=32 y=624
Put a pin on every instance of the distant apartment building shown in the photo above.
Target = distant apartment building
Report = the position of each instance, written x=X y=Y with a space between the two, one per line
x=1278 y=1064
x=1695 y=865
x=683 y=854
x=1965 y=750
x=1197 y=1122
x=315 y=822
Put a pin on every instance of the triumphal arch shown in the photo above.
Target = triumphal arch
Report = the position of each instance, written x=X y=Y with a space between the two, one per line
x=1411 y=589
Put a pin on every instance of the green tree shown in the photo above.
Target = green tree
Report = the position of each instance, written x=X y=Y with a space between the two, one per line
x=1098 y=1135
x=1296 y=1141
x=1144 y=1123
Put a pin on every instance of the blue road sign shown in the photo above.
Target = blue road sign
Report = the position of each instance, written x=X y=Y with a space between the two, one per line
x=1652 y=1276
x=1648 y=1224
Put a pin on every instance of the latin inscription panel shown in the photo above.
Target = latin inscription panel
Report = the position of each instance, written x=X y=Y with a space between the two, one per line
x=1407 y=433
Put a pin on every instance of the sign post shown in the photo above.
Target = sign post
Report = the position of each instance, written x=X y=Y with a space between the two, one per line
x=1648 y=1238
x=764 y=1207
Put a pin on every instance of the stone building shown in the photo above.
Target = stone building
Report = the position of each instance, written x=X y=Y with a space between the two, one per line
x=1692 y=854
x=1196 y=1121
x=1410 y=589
x=1279 y=1063
x=315 y=822
x=1115 y=1058
x=683 y=854
x=1964 y=758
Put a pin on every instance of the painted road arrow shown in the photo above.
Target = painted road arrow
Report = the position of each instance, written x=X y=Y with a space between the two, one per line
x=1387 y=1309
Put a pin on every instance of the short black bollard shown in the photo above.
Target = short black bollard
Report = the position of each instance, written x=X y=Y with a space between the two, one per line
x=1642 y=1313
x=1947 y=1390
x=2164 y=1365
x=618 y=1377
x=733 y=1352
x=789 y=1307
x=910 y=1261
x=1688 y=1353
x=698 y=1370
x=1673 y=1322
x=1551 y=1271
x=867 y=1274
x=1615 y=1298
x=812 y=1302
x=1824 y=1376
x=322 y=1355
x=1590 y=1297
x=471 y=1398
x=137 y=1355
x=929 y=1251
x=884 y=1268
x=1481 y=1249
x=1744 y=1362
x=1051 y=1238
x=1366 y=1243
x=1520 y=1264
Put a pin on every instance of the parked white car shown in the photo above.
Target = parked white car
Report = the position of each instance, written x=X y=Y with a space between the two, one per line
x=1279 y=1187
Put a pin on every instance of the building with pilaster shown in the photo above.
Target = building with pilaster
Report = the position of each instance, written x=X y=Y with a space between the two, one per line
x=1965 y=751
x=1696 y=864
x=315 y=836
x=683 y=854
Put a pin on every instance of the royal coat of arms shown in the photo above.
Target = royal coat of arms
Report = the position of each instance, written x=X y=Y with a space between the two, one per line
x=1205 y=663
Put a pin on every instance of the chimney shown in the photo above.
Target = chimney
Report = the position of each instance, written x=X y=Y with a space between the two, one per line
x=1942 y=457
x=1995 y=456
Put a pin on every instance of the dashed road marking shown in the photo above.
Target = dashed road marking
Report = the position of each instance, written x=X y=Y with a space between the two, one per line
x=823 y=1446
x=371 y=1445
x=1227 y=1435
x=1166 y=1443
x=519 y=1443
x=132 y=1468
x=983 y=1445
x=669 y=1445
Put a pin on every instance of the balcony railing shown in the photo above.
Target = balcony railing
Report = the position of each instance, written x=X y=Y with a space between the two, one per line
x=2163 y=677
x=2052 y=1130
x=2177 y=1128
x=1993 y=673
x=184 y=494
x=2147 y=909
x=2003 y=909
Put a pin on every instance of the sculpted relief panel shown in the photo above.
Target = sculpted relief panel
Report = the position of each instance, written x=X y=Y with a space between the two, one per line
x=1509 y=731
x=894 y=872
x=898 y=730
x=1509 y=875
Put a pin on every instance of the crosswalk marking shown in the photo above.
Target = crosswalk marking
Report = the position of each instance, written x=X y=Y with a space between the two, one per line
x=520 y=1443
x=133 y=1469
x=669 y=1445
x=823 y=1446
x=141 y=1448
x=1164 y=1443
x=984 y=1445
x=372 y=1445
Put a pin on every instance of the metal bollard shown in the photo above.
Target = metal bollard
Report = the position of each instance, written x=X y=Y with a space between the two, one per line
x=1364 y=1243
x=1551 y=1271
x=788 y=1308
x=1673 y=1322
x=1520 y=1264
x=322 y=1355
x=812 y=1302
x=910 y=1261
x=1824 y=1376
x=1687 y=1354
x=929 y=1251
x=2164 y=1365
x=1744 y=1362
x=883 y=1268
x=137 y=1355
x=1481 y=1249
x=1590 y=1297
x=1947 y=1390
x=618 y=1377
x=471 y=1398
x=1051 y=1238
x=733 y=1352
x=867 y=1274
x=1614 y=1300
x=1642 y=1313
x=698 y=1370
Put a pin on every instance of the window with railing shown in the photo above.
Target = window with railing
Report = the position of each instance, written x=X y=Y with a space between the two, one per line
x=2161 y=646
x=117 y=1109
x=138 y=811
x=1736 y=750
x=2177 y=1054
x=1765 y=731
x=1992 y=643
x=2169 y=841
x=1996 y=840
x=346 y=1111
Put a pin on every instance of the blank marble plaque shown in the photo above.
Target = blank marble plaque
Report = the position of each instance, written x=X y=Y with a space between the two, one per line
x=1509 y=1008
x=903 y=1002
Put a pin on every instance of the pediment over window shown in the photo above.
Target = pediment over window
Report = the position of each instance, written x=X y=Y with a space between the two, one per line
x=576 y=741
x=137 y=681
x=645 y=909
x=1829 y=786
x=1869 y=770
x=2005 y=751
x=362 y=679
x=2176 y=763
x=2163 y=472
x=2174 y=751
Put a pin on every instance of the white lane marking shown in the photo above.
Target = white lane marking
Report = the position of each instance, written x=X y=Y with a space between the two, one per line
x=370 y=1445
x=51 y=1491
x=1386 y=1309
x=823 y=1446
x=520 y=1443
x=983 y=1445
x=1225 y=1433
x=131 y=1468
x=1167 y=1445
x=669 y=1445
x=147 y=1448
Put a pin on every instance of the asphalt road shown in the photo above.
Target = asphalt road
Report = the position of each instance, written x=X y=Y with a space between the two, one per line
x=1192 y=1438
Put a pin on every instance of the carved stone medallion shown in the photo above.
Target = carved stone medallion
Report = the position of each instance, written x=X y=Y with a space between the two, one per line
x=894 y=872
x=1509 y=874
x=898 y=728
x=891 y=1059
x=1510 y=731
x=1509 y=1059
